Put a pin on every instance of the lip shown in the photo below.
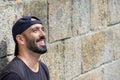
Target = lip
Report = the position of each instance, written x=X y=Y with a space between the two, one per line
x=41 y=42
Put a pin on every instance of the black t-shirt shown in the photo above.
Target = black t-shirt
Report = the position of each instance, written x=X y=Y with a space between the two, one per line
x=18 y=70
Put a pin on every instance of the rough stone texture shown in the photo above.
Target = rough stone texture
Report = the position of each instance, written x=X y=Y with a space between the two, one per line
x=97 y=49
x=108 y=46
x=72 y=57
x=3 y=63
x=112 y=71
x=36 y=8
x=98 y=14
x=114 y=13
x=83 y=36
x=66 y=57
x=54 y=59
x=116 y=41
x=80 y=16
x=92 y=75
x=6 y=24
x=92 y=50
x=59 y=19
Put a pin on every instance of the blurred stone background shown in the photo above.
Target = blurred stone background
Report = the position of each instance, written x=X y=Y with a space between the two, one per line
x=83 y=36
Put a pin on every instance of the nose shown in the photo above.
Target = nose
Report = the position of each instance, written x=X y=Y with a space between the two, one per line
x=42 y=33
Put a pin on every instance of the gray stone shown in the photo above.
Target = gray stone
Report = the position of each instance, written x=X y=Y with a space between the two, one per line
x=112 y=71
x=95 y=74
x=116 y=41
x=80 y=17
x=3 y=63
x=59 y=19
x=99 y=14
x=36 y=8
x=114 y=13
x=6 y=29
x=108 y=48
x=54 y=60
x=72 y=57
x=92 y=50
x=97 y=49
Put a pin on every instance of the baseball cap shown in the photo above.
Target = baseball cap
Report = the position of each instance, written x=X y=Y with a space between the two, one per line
x=21 y=25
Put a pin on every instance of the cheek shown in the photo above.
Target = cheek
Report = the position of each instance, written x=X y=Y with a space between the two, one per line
x=34 y=36
x=29 y=39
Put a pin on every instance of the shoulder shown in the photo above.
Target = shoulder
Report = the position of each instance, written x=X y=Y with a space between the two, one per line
x=42 y=64
x=9 y=76
x=15 y=67
x=44 y=67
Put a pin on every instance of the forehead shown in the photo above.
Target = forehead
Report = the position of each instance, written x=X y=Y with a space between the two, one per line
x=36 y=25
x=33 y=26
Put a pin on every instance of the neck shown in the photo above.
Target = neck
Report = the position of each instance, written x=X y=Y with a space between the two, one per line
x=31 y=60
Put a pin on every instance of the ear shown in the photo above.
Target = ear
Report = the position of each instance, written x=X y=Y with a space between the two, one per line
x=20 y=39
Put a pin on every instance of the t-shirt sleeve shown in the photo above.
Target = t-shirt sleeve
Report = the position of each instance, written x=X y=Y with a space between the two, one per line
x=10 y=76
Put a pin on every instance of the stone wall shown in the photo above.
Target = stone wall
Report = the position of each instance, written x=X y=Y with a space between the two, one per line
x=83 y=36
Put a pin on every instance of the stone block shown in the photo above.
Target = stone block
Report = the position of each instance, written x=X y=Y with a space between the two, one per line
x=92 y=50
x=59 y=19
x=3 y=48
x=97 y=48
x=112 y=71
x=6 y=39
x=80 y=17
x=54 y=60
x=95 y=74
x=108 y=46
x=116 y=40
x=99 y=14
x=114 y=13
x=72 y=57
x=36 y=8
x=3 y=63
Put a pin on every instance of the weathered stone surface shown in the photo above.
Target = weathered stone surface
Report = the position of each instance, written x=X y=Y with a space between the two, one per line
x=72 y=57
x=97 y=49
x=74 y=52
x=96 y=74
x=54 y=60
x=116 y=40
x=99 y=14
x=112 y=71
x=59 y=19
x=108 y=46
x=114 y=13
x=92 y=50
x=6 y=40
x=3 y=48
x=3 y=63
x=80 y=16
x=36 y=8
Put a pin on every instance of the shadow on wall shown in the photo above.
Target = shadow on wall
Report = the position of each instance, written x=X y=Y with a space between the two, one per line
x=3 y=54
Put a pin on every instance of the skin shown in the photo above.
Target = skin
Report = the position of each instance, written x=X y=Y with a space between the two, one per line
x=29 y=57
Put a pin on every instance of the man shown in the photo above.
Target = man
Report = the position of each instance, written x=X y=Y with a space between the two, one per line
x=29 y=36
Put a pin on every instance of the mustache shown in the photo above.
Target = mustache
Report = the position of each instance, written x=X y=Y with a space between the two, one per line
x=40 y=38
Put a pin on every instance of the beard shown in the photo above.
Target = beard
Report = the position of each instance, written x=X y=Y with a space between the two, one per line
x=32 y=45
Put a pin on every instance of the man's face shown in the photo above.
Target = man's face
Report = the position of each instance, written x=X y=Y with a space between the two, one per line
x=35 y=38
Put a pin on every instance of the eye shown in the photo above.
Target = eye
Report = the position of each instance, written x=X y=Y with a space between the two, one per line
x=43 y=29
x=35 y=29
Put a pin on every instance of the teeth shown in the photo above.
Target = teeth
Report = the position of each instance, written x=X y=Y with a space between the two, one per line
x=41 y=42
